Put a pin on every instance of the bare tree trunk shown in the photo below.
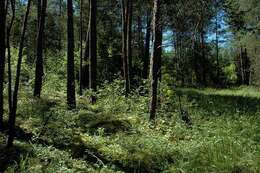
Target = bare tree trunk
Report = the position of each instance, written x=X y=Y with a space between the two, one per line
x=203 y=58
x=217 y=50
x=147 y=46
x=2 y=56
x=93 y=49
x=155 y=60
x=39 y=8
x=60 y=7
x=85 y=68
x=39 y=55
x=140 y=37
x=10 y=102
x=81 y=48
x=129 y=37
x=124 y=48
x=71 y=98
x=12 y=115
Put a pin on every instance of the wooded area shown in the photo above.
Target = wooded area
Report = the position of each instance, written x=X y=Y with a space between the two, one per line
x=130 y=86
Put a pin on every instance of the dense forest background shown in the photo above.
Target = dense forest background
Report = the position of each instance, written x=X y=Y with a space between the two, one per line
x=129 y=86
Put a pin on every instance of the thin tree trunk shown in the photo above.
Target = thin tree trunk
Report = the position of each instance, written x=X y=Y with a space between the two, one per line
x=12 y=115
x=2 y=57
x=93 y=49
x=71 y=98
x=60 y=6
x=9 y=29
x=81 y=48
x=147 y=46
x=129 y=36
x=155 y=60
x=203 y=58
x=140 y=37
x=124 y=48
x=39 y=55
x=217 y=50
x=39 y=8
x=241 y=66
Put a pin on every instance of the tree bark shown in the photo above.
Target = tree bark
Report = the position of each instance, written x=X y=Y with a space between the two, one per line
x=10 y=102
x=2 y=56
x=39 y=55
x=124 y=48
x=39 y=8
x=156 y=58
x=93 y=49
x=129 y=36
x=12 y=116
x=147 y=46
x=81 y=48
x=71 y=98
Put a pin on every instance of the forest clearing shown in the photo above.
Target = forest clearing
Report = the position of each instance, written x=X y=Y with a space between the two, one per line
x=101 y=86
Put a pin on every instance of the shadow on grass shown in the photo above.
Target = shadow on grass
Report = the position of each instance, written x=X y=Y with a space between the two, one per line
x=223 y=104
x=12 y=156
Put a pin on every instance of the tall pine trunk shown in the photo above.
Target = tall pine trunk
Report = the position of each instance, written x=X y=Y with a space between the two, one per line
x=147 y=46
x=129 y=36
x=81 y=48
x=156 y=58
x=12 y=115
x=39 y=54
x=93 y=49
x=9 y=29
x=2 y=57
x=71 y=98
x=124 y=47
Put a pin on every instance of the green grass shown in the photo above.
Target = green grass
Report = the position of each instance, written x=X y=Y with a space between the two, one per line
x=115 y=136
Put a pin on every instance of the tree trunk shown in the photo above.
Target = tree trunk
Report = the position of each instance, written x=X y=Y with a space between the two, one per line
x=203 y=58
x=39 y=8
x=217 y=50
x=2 y=57
x=81 y=48
x=39 y=55
x=85 y=68
x=129 y=36
x=12 y=115
x=93 y=49
x=124 y=48
x=71 y=100
x=147 y=46
x=156 y=56
x=140 y=37
x=10 y=102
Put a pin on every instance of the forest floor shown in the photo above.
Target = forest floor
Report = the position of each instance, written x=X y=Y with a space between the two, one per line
x=115 y=135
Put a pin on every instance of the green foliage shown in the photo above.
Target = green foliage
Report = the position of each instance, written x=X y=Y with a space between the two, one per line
x=114 y=134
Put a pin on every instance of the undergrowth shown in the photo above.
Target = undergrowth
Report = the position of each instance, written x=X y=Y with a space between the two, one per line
x=114 y=135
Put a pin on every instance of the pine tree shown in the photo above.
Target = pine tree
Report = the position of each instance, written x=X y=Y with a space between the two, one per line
x=71 y=98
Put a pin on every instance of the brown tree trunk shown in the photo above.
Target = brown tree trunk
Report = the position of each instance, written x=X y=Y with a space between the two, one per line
x=81 y=48
x=39 y=55
x=85 y=68
x=10 y=102
x=2 y=57
x=12 y=115
x=156 y=58
x=140 y=37
x=217 y=50
x=124 y=48
x=39 y=8
x=129 y=36
x=71 y=98
x=203 y=58
x=93 y=49
x=147 y=46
